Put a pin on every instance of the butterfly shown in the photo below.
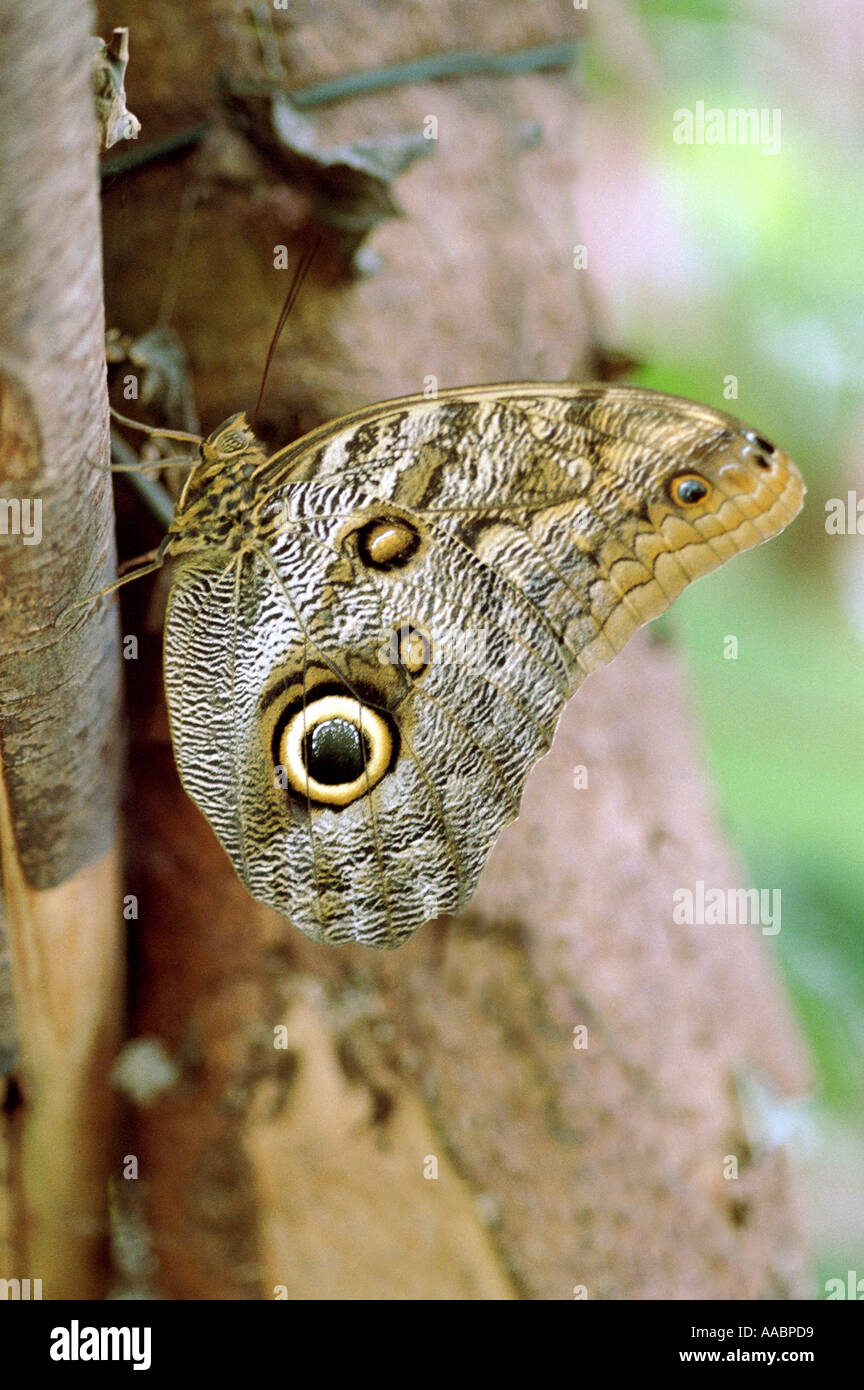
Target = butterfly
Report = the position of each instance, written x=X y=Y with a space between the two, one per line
x=371 y=633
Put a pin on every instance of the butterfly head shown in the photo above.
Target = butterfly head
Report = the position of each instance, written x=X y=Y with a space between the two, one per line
x=231 y=441
x=217 y=504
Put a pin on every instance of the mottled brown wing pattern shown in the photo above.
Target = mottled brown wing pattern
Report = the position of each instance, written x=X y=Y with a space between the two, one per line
x=372 y=633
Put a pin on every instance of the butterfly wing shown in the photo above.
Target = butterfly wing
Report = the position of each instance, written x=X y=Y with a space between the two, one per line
x=566 y=492
x=357 y=699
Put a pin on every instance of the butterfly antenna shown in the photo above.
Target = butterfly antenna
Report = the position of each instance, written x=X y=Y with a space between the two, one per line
x=300 y=273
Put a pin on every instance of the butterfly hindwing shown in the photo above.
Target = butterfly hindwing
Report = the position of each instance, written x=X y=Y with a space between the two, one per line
x=442 y=649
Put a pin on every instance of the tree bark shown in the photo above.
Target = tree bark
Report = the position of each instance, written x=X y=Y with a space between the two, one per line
x=59 y=686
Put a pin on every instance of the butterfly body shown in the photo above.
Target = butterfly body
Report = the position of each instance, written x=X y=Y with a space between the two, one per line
x=371 y=633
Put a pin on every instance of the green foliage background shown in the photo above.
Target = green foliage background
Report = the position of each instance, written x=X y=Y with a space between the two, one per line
x=779 y=303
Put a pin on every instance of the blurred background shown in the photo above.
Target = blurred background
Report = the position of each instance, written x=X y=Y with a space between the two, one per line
x=712 y=262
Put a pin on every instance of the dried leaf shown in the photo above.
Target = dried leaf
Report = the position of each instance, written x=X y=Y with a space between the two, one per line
x=109 y=72
x=349 y=186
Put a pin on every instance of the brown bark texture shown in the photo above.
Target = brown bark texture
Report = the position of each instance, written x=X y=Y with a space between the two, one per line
x=59 y=688
x=59 y=685
x=429 y=1129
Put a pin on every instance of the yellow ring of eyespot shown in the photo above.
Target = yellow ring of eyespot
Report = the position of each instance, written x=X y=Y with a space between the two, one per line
x=684 y=478
x=378 y=737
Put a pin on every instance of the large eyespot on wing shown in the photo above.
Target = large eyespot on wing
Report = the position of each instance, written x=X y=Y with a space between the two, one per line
x=333 y=748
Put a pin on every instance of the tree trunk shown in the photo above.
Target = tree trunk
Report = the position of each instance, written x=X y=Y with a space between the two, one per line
x=59 y=685
x=431 y=1131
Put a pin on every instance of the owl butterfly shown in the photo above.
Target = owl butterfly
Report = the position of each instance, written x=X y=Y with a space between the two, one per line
x=371 y=633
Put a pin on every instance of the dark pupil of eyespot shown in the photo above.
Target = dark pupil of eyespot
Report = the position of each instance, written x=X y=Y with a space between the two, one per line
x=691 y=490
x=335 y=751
